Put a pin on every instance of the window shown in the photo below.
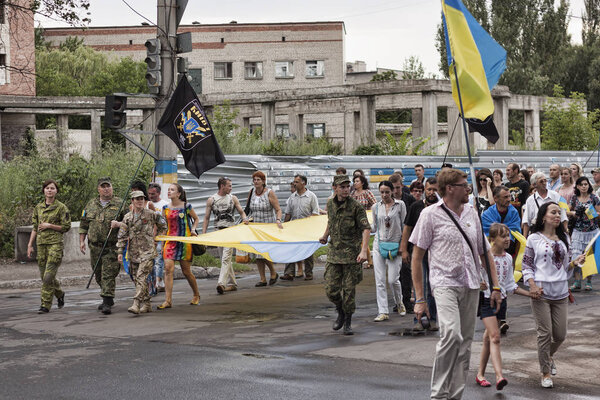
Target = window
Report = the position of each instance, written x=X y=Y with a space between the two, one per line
x=2 y=9
x=284 y=69
x=255 y=128
x=223 y=70
x=315 y=130
x=3 y=69
x=253 y=70
x=315 y=69
x=282 y=130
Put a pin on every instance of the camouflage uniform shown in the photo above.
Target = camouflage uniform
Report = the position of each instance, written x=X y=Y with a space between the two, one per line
x=141 y=250
x=95 y=222
x=50 y=246
x=346 y=223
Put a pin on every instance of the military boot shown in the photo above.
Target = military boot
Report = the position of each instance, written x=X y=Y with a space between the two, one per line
x=135 y=308
x=339 y=322
x=104 y=301
x=107 y=304
x=348 y=325
x=146 y=308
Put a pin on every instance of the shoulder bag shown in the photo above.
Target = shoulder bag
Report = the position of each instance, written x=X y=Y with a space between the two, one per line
x=388 y=250
x=197 y=249
x=247 y=209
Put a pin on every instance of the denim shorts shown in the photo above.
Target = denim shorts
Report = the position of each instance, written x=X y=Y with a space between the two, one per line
x=485 y=311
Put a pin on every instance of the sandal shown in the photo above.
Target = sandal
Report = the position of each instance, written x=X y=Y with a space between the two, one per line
x=195 y=300
x=260 y=284
x=163 y=306
x=273 y=280
x=483 y=382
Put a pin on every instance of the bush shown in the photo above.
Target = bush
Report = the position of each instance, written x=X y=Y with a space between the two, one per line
x=21 y=181
x=387 y=145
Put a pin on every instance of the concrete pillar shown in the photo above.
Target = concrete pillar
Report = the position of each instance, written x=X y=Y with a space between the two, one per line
x=268 y=120
x=349 y=132
x=532 y=130
x=501 y=122
x=429 y=118
x=148 y=125
x=96 y=132
x=457 y=140
x=62 y=132
x=367 y=120
x=296 y=126
x=416 y=116
x=1 y=153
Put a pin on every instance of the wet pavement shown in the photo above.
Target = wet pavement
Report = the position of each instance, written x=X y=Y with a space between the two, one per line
x=273 y=342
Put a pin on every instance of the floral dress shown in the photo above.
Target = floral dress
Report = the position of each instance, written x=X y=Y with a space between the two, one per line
x=178 y=224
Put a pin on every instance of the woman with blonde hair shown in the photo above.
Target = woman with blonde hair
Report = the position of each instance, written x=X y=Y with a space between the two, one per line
x=567 y=189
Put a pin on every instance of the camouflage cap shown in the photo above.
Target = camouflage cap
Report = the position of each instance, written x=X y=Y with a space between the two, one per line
x=597 y=169
x=339 y=179
x=103 y=180
x=137 y=193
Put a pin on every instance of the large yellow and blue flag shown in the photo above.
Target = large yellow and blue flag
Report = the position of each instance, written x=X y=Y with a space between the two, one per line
x=591 y=265
x=521 y=243
x=476 y=62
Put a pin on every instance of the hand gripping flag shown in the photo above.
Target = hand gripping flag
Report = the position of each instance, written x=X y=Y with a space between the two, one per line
x=184 y=122
x=479 y=61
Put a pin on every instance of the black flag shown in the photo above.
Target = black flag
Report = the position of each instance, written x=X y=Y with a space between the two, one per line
x=185 y=122
x=486 y=128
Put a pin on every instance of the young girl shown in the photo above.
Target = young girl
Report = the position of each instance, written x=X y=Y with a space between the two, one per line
x=499 y=237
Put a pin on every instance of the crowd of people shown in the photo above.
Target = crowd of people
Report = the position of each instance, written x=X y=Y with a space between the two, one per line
x=428 y=252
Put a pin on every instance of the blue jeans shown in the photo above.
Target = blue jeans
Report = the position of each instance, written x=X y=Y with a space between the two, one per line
x=427 y=290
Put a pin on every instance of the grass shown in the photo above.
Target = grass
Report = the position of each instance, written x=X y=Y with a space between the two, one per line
x=206 y=261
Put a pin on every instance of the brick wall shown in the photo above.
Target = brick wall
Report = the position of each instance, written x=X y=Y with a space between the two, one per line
x=17 y=48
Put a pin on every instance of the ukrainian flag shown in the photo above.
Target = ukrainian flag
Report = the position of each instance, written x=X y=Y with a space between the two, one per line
x=562 y=203
x=591 y=212
x=478 y=58
x=521 y=243
x=591 y=266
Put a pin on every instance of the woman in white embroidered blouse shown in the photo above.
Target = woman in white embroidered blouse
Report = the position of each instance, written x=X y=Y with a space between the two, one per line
x=547 y=266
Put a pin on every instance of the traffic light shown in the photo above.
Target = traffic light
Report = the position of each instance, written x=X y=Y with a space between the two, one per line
x=114 y=113
x=153 y=74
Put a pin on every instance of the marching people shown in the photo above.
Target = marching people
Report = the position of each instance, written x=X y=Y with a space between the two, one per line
x=388 y=221
x=301 y=204
x=223 y=205
x=546 y=268
x=585 y=226
x=365 y=197
x=499 y=237
x=158 y=203
x=412 y=216
x=137 y=233
x=498 y=176
x=596 y=177
x=51 y=220
x=420 y=174
x=485 y=189
x=554 y=182
x=576 y=171
x=100 y=224
x=181 y=220
x=567 y=188
x=349 y=229
x=542 y=195
x=451 y=231
x=416 y=190
x=517 y=187
x=264 y=208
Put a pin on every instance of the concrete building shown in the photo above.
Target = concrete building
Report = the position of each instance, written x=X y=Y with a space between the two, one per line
x=17 y=70
x=232 y=58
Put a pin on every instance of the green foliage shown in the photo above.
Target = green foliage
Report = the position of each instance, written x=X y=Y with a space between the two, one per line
x=403 y=116
x=384 y=76
x=244 y=142
x=569 y=128
x=77 y=70
x=412 y=68
x=21 y=181
x=387 y=145
x=207 y=261
x=68 y=11
x=517 y=138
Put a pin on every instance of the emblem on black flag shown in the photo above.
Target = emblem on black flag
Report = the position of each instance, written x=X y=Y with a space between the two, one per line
x=191 y=125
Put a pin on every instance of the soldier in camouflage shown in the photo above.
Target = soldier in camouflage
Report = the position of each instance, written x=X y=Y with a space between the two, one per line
x=137 y=233
x=99 y=218
x=349 y=229
x=51 y=220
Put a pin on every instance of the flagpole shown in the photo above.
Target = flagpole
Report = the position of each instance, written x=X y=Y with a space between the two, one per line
x=473 y=177
x=120 y=209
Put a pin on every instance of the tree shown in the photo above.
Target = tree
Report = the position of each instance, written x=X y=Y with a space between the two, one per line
x=412 y=68
x=384 y=76
x=571 y=127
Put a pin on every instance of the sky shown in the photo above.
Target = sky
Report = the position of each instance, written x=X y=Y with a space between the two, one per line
x=383 y=33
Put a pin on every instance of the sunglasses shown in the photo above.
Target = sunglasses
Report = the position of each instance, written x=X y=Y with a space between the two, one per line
x=387 y=222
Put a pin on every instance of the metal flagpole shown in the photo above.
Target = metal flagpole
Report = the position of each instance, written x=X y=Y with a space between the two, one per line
x=120 y=209
x=473 y=178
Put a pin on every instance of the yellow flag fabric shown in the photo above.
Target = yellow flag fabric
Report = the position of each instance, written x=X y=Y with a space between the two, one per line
x=519 y=257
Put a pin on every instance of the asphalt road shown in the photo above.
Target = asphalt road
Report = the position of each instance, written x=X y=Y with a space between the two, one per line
x=258 y=343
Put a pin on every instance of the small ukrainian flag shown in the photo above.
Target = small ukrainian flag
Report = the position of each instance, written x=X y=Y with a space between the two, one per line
x=591 y=212
x=562 y=203
x=591 y=266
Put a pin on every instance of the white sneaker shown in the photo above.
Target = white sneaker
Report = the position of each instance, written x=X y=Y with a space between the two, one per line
x=402 y=310
x=381 y=317
x=552 y=367
x=547 y=383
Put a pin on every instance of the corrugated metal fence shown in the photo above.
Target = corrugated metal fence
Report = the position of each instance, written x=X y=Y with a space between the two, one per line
x=319 y=170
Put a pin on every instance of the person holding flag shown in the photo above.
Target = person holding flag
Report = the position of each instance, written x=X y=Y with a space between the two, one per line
x=585 y=206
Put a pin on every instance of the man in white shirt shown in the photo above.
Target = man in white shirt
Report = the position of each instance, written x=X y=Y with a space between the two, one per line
x=302 y=204
x=154 y=190
x=542 y=195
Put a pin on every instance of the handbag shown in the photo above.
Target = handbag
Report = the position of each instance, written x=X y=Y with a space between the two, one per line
x=197 y=249
x=388 y=250
x=247 y=209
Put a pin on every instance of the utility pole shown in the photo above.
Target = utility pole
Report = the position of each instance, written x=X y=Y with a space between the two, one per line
x=166 y=150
